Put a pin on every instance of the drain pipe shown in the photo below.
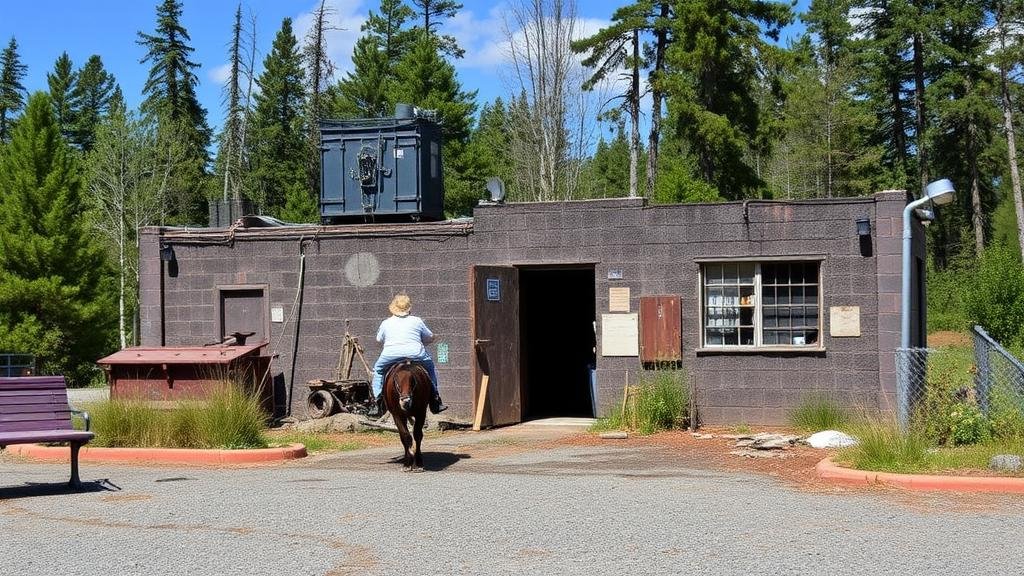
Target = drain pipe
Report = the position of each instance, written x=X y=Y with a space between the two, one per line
x=298 y=323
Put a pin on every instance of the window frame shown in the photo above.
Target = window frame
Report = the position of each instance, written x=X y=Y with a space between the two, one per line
x=759 y=345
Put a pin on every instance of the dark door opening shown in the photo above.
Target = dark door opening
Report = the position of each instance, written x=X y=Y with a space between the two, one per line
x=556 y=316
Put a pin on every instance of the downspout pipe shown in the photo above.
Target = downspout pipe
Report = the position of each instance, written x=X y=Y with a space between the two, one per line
x=907 y=248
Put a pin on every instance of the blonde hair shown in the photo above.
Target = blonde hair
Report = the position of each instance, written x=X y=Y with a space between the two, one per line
x=400 y=304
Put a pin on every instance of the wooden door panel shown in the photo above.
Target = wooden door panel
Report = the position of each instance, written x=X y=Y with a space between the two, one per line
x=496 y=342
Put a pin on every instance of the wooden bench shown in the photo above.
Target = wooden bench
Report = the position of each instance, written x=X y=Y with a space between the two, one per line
x=35 y=409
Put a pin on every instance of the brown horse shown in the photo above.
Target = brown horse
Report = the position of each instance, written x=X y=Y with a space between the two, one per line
x=407 y=390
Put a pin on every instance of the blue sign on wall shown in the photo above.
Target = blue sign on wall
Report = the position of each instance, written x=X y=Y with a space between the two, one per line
x=493 y=289
x=442 y=353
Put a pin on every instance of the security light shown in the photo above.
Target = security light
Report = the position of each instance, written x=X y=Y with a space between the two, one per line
x=940 y=192
x=863 y=227
x=496 y=188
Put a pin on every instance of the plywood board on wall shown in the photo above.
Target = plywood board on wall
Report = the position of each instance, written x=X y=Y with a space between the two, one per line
x=620 y=335
x=844 y=321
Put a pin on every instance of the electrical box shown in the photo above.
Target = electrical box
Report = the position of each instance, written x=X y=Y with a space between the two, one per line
x=386 y=167
x=660 y=329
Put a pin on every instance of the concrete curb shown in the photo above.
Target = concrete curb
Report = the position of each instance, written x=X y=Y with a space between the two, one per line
x=828 y=470
x=161 y=455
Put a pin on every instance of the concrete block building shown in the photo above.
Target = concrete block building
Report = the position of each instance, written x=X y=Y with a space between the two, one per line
x=761 y=302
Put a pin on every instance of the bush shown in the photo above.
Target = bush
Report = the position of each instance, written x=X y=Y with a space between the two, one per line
x=994 y=297
x=1006 y=412
x=817 y=412
x=659 y=402
x=882 y=446
x=949 y=414
x=229 y=418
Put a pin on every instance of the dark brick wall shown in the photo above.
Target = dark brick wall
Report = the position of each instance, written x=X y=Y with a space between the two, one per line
x=655 y=247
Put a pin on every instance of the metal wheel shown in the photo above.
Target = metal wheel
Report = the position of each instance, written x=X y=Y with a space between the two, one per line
x=319 y=404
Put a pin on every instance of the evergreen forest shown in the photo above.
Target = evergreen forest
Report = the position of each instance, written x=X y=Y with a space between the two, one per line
x=673 y=101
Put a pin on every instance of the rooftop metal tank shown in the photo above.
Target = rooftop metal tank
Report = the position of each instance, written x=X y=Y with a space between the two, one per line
x=381 y=167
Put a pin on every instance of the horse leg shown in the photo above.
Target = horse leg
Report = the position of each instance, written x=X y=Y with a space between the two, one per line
x=403 y=433
x=417 y=434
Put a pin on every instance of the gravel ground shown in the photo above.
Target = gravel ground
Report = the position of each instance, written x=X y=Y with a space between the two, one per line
x=488 y=504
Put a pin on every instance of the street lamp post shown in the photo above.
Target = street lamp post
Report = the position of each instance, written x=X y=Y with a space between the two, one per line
x=938 y=193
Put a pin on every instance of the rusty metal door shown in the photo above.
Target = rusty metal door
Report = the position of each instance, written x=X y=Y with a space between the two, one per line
x=496 y=342
x=660 y=331
x=244 y=310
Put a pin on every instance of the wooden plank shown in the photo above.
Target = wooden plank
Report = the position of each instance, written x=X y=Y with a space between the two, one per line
x=32 y=416
x=32 y=408
x=481 y=400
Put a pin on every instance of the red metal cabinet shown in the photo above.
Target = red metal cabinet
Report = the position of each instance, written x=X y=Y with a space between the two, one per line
x=660 y=329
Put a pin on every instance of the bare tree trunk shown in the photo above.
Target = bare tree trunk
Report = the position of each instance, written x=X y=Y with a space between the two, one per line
x=548 y=122
x=1011 y=138
x=977 y=216
x=634 y=113
x=653 y=141
x=919 y=108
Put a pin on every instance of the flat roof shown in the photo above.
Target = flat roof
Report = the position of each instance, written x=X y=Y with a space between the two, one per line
x=180 y=354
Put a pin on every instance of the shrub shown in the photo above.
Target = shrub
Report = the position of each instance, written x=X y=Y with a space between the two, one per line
x=659 y=402
x=229 y=418
x=994 y=296
x=817 y=412
x=948 y=413
x=1006 y=412
x=882 y=446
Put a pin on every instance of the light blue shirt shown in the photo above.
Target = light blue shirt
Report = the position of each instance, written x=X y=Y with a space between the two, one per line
x=404 y=337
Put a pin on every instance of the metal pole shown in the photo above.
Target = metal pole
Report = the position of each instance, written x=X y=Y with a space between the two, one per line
x=903 y=363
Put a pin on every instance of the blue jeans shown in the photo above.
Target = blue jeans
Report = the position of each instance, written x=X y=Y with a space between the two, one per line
x=386 y=360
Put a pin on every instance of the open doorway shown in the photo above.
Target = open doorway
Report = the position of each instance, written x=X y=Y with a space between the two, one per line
x=556 y=319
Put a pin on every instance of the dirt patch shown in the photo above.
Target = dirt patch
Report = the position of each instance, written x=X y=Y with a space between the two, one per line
x=794 y=465
x=945 y=338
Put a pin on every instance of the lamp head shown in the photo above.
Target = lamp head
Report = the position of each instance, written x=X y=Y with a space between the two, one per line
x=496 y=189
x=940 y=192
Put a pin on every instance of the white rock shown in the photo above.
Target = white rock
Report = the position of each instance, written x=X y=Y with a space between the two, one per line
x=830 y=439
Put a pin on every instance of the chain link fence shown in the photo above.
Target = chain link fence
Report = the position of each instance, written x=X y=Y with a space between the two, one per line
x=939 y=390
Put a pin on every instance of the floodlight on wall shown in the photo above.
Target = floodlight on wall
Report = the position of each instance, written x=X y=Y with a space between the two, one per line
x=863 y=227
x=166 y=253
x=940 y=192
x=496 y=189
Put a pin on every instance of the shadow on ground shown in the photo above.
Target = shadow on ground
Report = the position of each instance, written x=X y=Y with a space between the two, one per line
x=35 y=489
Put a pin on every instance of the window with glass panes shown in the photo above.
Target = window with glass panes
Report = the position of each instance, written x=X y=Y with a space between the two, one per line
x=761 y=304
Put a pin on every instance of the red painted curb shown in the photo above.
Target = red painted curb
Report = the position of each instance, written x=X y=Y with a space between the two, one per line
x=828 y=470
x=164 y=455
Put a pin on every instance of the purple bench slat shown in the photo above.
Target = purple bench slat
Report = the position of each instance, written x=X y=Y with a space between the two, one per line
x=33 y=436
x=35 y=409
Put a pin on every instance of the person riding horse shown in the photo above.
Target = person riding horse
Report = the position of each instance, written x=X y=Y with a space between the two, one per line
x=404 y=336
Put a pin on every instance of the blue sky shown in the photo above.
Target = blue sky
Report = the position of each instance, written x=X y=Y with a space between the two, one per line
x=45 y=28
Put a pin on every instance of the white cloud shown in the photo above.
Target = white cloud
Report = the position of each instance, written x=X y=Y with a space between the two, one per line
x=344 y=21
x=220 y=74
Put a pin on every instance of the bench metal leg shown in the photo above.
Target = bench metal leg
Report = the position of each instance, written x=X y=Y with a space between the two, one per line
x=75 y=482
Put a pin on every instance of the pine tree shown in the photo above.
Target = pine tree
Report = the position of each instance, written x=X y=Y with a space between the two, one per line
x=364 y=91
x=62 y=86
x=432 y=13
x=615 y=51
x=278 y=163
x=607 y=173
x=712 y=82
x=426 y=80
x=90 y=101
x=54 y=280
x=12 y=93
x=388 y=29
x=171 y=102
x=231 y=141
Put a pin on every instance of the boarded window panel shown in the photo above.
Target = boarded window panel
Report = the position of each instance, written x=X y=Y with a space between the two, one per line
x=660 y=328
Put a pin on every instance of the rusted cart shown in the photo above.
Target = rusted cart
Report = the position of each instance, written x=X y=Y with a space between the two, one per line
x=343 y=393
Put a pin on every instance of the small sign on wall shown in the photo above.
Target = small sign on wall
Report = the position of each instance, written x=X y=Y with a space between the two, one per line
x=620 y=335
x=493 y=289
x=442 y=353
x=618 y=299
x=844 y=321
x=277 y=314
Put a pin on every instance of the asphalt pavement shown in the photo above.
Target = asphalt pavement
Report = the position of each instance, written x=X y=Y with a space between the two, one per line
x=487 y=506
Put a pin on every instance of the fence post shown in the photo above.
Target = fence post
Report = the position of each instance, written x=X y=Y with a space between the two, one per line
x=903 y=388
